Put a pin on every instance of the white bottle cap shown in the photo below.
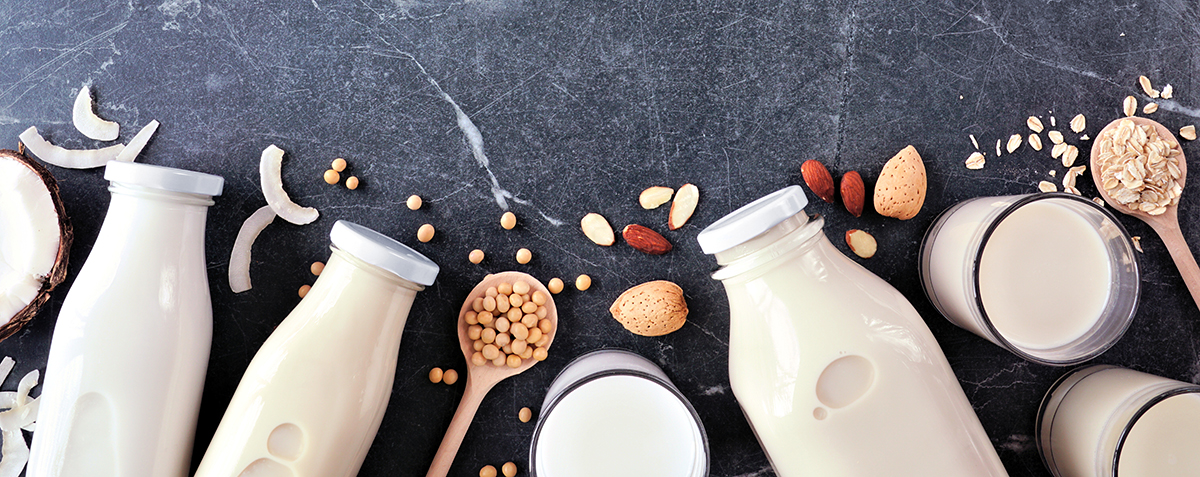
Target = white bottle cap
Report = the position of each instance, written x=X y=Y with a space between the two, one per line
x=163 y=178
x=384 y=252
x=752 y=219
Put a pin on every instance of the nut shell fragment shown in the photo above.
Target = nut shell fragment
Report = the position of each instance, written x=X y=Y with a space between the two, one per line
x=57 y=271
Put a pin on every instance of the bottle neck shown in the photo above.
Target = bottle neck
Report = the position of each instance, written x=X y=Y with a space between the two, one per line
x=139 y=192
x=793 y=235
x=349 y=268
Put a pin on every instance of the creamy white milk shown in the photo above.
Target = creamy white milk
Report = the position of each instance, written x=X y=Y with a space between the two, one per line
x=618 y=425
x=130 y=348
x=314 y=395
x=1057 y=275
x=1045 y=276
x=1165 y=441
x=836 y=372
x=1086 y=412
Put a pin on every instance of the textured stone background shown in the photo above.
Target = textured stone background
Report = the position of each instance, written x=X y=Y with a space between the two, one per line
x=582 y=105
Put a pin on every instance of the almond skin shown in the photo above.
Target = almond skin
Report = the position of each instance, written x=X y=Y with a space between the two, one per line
x=818 y=179
x=642 y=239
x=854 y=193
x=686 y=199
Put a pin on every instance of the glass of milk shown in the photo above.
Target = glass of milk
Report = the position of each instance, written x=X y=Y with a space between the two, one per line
x=1051 y=277
x=1111 y=421
x=613 y=412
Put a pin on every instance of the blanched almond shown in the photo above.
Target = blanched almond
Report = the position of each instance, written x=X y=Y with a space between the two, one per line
x=684 y=205
x=597 y=229
x=655 y=196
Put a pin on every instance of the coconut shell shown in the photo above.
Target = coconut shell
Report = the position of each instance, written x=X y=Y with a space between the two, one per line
x=59 y=272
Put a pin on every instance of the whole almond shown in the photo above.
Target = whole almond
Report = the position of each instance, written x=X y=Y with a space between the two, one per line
x=900 y=189
x=853 y=193
x=818 y=179
x=597 y=229
x=651 y=309
x=683 y=206
x=861 y=243
x=655 y=196
x=642 y=239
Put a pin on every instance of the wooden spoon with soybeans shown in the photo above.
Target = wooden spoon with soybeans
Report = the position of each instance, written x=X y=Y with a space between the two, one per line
x=1166 y=223
x=482 y=377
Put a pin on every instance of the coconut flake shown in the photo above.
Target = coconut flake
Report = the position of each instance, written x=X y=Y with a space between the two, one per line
x=138 y=142
x=239 y=259
x=14 y=454
x=269 y=169
x=68 y=158
x=88 y=123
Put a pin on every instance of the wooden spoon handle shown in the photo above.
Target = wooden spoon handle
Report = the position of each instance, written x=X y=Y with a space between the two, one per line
x=1172 y=237
x=472 y=396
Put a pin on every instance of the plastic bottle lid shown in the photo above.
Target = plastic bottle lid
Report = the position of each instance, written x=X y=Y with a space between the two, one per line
x=163 y=178
x=384 y=252
x=752 y=219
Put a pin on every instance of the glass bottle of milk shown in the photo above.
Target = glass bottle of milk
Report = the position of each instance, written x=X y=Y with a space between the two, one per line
x=834 y=369
x=130 y=347
x=314 y=395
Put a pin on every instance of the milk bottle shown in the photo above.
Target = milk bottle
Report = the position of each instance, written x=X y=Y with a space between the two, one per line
x=131 y=344
x=314 y=394
x=834 y=369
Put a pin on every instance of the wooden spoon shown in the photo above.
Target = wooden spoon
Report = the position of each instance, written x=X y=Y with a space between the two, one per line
x=481 y=379
x=1165 y=224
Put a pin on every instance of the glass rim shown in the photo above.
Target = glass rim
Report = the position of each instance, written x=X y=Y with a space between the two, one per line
x=987 y=322
x=1043 y=447
x=1187 y=388
x=544 y=414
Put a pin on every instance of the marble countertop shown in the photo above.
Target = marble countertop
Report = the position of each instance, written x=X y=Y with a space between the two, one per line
x=581 y=105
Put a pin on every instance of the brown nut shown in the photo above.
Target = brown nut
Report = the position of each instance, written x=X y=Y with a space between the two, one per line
x=818 y=179
x=642 y=239
x=853 y=193
x=651 y=309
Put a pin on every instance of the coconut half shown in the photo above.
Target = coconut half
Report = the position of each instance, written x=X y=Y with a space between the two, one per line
x=35 y=242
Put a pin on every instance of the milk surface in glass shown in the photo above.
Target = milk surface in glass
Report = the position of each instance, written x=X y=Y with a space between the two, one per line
x=618 y=425
x=1106 y=421
x=836 y=372
x=1045 y=276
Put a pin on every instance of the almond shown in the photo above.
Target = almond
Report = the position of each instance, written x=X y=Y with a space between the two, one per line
x=853 y=193
x=651 y=309
x=861 y=243
x=655 y=196
x=596 y=227
x=900 y=189
x=642 y=239
x=685 y=203
x=818 y=179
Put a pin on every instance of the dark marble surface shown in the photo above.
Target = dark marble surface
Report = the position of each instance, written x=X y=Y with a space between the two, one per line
x=582 y=105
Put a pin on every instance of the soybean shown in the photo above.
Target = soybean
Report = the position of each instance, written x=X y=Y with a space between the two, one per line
x=524 y=256
x=414 y=202
x=436 y=375
x=508 y=220
x=425 y=233
x=475 y=256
